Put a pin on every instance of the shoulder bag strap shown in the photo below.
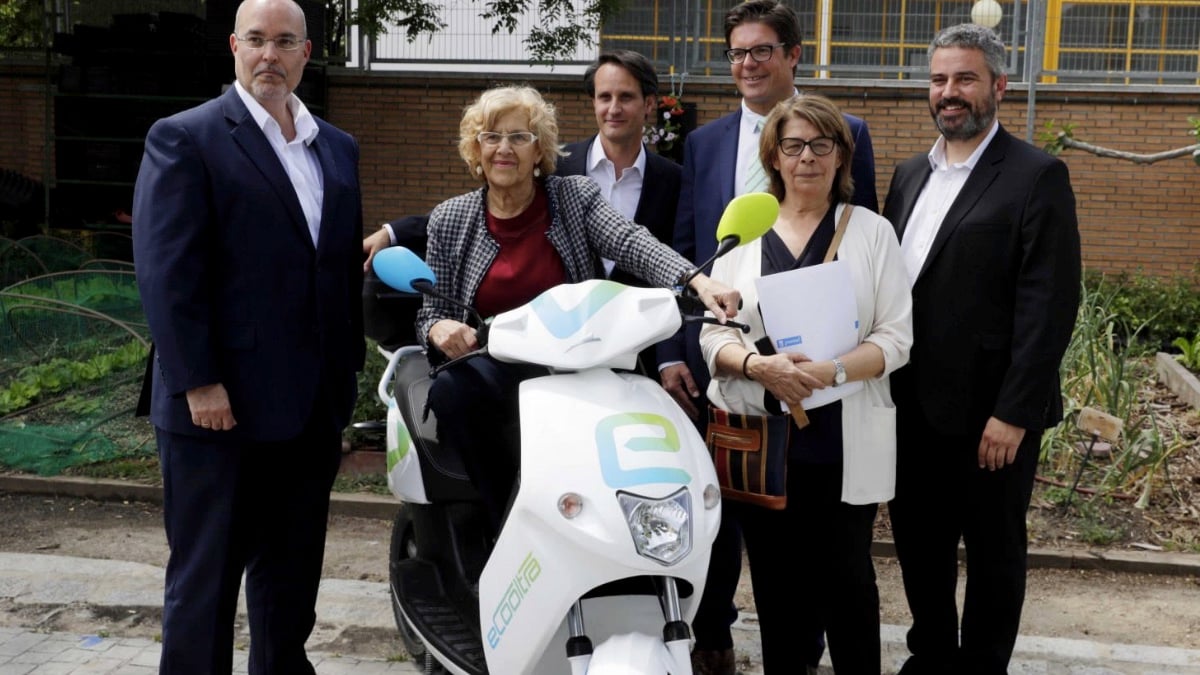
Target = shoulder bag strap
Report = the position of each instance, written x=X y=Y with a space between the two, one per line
x=837 y=234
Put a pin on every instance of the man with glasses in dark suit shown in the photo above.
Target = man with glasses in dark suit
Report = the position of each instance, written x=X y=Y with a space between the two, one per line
x=720 y=161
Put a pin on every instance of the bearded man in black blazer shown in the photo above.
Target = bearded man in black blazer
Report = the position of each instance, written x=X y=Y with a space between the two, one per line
x=643 y=186
x=989 y=234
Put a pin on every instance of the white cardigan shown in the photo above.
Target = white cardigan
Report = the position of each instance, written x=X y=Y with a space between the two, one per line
x=884 y=302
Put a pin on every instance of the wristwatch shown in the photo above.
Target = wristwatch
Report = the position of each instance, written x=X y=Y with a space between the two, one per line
x=839 y=372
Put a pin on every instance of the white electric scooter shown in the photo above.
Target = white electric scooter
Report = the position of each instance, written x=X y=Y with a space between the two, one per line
x=608 y=537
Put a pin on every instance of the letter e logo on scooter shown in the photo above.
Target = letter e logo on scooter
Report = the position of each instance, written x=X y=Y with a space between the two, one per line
x=636 y=441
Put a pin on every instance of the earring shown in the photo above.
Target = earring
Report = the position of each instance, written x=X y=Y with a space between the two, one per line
x=478 y=169
x=536 y=172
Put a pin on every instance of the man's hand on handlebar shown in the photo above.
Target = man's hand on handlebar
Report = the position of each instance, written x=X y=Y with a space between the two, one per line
x=720 y=299
x=453 y=338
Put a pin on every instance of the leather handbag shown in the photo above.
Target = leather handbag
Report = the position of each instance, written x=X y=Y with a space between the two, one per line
x=749 y=453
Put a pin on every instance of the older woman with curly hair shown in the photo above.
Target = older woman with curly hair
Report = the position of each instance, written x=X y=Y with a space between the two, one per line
x=496 y=248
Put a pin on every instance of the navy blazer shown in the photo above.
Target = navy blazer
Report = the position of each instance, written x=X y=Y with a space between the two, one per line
x=709 y=171
x=233 y=288
x=656 y=207
x=995 y=302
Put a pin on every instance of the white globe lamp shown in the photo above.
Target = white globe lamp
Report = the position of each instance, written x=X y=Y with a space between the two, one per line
x=987 y=13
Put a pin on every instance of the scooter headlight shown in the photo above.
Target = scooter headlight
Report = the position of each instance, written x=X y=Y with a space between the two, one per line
x=661 y=528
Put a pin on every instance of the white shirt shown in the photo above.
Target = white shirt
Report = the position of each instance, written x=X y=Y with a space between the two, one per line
x=940 y=191
x=299 y=160
x=622 y=192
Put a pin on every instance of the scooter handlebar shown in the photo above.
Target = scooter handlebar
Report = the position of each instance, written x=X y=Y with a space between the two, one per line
x=693 y=311
x=713 y=320
x=455 y=361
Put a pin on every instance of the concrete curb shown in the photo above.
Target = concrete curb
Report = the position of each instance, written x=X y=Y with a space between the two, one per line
x=1177 y=378
x=384 y=508
x=1129 y=562
x=341 y=503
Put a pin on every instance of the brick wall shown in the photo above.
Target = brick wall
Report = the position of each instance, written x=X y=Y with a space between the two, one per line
x=22 y=120
x=1132 y=217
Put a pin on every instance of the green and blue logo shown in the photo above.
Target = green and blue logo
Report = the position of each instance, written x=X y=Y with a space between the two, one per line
x=566 y=321
x=510 y=603
x=403 y=442
x=665 y=440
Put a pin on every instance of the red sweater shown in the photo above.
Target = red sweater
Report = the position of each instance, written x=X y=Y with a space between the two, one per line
x=527 y=263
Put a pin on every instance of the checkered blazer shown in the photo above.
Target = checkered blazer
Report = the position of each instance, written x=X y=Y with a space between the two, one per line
x=583 y=228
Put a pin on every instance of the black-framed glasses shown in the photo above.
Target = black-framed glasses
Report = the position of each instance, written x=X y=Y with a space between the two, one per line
x=517 y=139
x=285 y=43
x=820 y=146
x=759 y=53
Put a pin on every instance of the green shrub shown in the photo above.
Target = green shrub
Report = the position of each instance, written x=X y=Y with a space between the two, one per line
x=1167 y=307
x=368 y=406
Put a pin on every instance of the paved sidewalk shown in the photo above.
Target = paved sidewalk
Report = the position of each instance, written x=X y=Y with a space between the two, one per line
x=24 y=652
x=63 y=581
x=27 y=653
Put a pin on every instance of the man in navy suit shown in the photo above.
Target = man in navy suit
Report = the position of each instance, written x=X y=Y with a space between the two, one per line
x=989 y=235
x=643 y=186
x=762 y=38
x=246 y=224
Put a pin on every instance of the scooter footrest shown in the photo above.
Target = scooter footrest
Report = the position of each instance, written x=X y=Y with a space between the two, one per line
x=439 y=622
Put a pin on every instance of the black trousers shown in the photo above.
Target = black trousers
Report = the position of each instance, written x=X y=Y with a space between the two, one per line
x=476 y=404
x=830 y=584
x=241 y=507
x=943 y=496
x=712 y=625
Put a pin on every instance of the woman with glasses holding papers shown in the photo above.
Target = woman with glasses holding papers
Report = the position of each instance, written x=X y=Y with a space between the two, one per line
x=842 y=463
x=498 y=247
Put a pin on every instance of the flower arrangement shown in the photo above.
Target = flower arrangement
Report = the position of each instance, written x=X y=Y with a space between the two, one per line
x=663 y=134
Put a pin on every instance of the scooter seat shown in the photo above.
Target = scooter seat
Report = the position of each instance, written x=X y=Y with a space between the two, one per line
x=442 y=469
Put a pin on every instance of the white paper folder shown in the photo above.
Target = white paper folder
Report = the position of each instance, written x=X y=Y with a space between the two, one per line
x=811 y=310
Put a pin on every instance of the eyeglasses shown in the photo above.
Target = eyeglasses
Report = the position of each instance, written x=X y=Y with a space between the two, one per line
x=517 y=139
x=286 y=43
x=820 y=146
x=759 y=53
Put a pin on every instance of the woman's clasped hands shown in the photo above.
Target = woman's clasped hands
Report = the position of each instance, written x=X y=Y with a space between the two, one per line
x=790 y=377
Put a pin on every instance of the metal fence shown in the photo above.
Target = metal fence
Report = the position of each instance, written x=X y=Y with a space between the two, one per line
x=1103 y=42
x=1106 y=42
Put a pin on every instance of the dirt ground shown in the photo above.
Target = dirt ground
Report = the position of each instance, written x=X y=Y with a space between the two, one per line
x=1106 y=607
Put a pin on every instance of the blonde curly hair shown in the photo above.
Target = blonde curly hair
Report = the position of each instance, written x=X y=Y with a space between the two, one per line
x=499 y=101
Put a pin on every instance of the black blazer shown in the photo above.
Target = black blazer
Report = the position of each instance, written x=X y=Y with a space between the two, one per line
x=660 y=195
x=994 y=304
